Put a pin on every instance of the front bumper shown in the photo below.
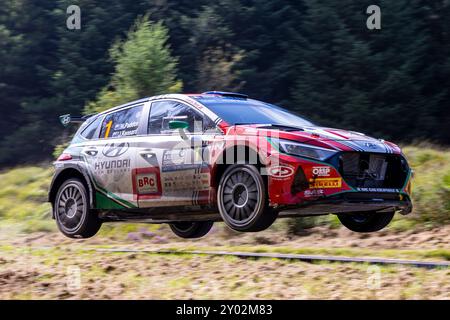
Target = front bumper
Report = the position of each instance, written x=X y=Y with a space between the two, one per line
x=318 y=187
x=350 y=202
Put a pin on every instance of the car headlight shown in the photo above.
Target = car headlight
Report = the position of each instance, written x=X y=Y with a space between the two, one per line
x=303 y=150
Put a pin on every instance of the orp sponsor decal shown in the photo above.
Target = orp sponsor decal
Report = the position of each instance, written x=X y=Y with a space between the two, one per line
x=281 y=172
x=321 y=171
x=325 y=183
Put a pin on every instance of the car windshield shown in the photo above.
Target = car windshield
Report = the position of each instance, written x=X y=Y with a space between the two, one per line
x=240 y=111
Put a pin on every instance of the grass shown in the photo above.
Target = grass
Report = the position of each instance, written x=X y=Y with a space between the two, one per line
x=431 y=184
x=23 y=194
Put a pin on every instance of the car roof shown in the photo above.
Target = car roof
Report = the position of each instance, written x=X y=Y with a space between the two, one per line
x=219 y=95
x=187 y=98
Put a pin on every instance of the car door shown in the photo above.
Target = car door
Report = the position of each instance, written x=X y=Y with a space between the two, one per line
x=111 y=158
x=173 y=168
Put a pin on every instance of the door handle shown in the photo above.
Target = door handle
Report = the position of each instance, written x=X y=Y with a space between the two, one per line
x=146 y=153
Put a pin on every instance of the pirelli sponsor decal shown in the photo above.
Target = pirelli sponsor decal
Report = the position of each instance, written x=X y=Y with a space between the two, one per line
x=326 y=183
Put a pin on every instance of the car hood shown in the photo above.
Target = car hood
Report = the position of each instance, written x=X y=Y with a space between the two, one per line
x=354 y=140
x=339 y=139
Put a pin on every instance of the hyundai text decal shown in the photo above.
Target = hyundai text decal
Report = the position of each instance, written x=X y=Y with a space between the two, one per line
x=112 y=164
x=112 y=150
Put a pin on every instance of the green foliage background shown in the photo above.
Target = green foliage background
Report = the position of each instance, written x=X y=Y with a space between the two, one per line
x=313 y=56
x=143 y=67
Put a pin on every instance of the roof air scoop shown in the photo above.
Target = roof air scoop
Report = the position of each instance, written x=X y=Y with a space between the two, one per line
x=227 y=94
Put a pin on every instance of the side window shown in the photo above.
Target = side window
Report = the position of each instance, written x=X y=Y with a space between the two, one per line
x=89 y=131
x=162 y=112
x=123 y=123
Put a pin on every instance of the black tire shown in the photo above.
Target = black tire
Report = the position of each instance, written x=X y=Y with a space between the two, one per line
x=366 y=221
x=72 y=213
x=191 y=230
x=242 y=199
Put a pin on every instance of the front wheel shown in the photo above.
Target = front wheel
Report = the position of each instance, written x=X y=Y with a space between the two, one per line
x=72 y=213
x=242 y=199
x=191 y=230
x=366 y=221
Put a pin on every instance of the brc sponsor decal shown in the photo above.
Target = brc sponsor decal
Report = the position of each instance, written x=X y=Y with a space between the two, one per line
x=323 y=171
x=281 y=172
x=146 y=183
x=326 y=183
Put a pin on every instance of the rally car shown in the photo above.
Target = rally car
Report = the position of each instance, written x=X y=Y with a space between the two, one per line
x=190 y=160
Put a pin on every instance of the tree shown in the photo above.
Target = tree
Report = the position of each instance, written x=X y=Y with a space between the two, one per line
x=27 y=52
x=143 y=67
x=217 y=71
x=365 y=80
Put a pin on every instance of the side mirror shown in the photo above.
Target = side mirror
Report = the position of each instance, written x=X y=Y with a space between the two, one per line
x=177 y=124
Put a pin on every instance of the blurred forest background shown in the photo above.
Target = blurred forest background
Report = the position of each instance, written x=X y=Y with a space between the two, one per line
x=316 y=57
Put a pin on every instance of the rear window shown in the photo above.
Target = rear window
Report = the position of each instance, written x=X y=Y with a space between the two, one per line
x=123 y=123
x=91 y=129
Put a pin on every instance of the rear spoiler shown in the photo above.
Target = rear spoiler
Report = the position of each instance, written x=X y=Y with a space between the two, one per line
x=67 y=119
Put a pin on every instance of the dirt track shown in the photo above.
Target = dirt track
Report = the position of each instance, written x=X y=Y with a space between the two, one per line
x=45 y=265
x=319 y=237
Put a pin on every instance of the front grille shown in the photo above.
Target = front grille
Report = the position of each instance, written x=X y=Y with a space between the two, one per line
x=373 y=170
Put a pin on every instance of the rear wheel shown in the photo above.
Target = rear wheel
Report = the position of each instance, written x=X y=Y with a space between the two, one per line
x=242 y=199
x=366 y=221
x=191 y=230
x=72 y=213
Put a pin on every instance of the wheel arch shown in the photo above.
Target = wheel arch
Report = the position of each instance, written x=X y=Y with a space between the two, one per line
x=65 y=174
x=223 y=161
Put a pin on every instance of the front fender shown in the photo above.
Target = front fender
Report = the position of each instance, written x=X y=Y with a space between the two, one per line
x=66 y=171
